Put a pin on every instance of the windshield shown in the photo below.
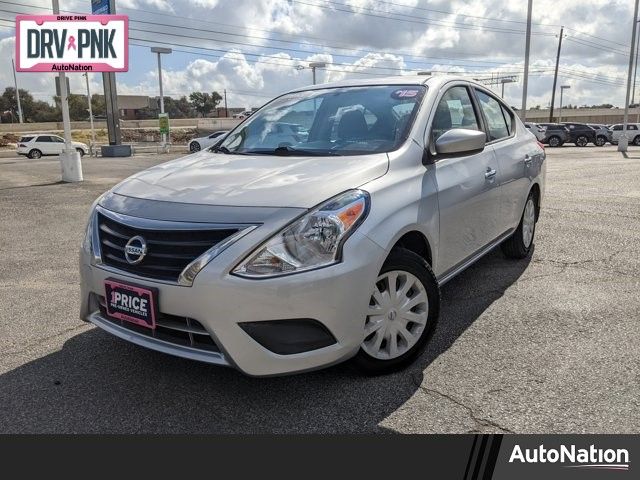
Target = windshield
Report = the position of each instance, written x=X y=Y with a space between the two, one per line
x=333 y=121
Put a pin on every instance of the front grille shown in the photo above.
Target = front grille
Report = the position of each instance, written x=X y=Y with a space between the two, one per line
x=168 y=251
x=183 y=331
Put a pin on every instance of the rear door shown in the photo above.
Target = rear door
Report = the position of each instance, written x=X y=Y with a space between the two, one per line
x=468 y=194
x=57 y=144
x=514 y=155
x=44 y=143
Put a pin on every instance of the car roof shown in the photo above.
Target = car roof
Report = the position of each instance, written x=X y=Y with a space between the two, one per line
x=430 y=80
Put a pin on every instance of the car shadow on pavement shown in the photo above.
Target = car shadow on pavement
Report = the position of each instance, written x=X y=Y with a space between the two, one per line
x=99 y=384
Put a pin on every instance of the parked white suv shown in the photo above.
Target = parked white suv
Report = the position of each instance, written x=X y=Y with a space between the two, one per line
x=633 y=133
x=284 y=258
x=36 y=146
x=199 y=143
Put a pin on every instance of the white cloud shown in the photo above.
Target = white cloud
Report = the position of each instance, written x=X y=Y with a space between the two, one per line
x=370 y=42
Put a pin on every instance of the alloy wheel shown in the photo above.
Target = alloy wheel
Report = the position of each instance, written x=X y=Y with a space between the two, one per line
x=194 y=147
x=582 y=141
x=528 y=222
x=398 y=313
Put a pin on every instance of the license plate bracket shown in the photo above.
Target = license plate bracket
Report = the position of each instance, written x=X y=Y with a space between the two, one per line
x=132 y=303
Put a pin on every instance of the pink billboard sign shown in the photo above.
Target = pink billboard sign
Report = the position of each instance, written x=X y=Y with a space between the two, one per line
x=72 y=43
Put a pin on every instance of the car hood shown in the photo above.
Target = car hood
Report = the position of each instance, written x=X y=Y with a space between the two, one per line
x=253 y=180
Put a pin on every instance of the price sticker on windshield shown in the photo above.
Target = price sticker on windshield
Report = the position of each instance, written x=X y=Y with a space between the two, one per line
x=72 y=43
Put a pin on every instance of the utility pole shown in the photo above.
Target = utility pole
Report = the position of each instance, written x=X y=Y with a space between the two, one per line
x=313 y=66
x=70 y=162
x=635 y=70
x=623 y=143
x=226 y=110
x=15 y=82
x=555 y=75
x=93 y=133
x=527 y=51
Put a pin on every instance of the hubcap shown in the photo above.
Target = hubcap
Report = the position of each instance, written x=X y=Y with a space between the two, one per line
x=195 y=147
x=398 y=312
x=528 y=222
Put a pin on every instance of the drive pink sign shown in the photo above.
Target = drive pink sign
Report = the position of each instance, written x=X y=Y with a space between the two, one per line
x=72 y=43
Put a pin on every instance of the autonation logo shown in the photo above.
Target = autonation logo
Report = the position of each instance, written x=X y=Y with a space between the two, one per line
x=573 y=457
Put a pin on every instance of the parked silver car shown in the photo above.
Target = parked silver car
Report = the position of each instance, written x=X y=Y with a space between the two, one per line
x=283 y=259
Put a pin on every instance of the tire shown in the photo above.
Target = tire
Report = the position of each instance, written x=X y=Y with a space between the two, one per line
x=582 y=141
x=194 y=147
x=600 y=141
x=636 y=141
x=35 y=153
x=520 y=244
x=555 y=141
x=421 y=283
x=80 y=151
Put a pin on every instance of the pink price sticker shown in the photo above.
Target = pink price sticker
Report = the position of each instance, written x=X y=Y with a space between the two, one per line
x=72 y=43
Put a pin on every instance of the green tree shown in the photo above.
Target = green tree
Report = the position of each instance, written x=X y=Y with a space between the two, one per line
x=32 y=110
x=203 y=102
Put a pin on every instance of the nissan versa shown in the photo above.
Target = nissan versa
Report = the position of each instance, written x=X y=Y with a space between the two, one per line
x=318 y=230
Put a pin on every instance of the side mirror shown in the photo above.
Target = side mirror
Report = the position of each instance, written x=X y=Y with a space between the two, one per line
x=460 y=141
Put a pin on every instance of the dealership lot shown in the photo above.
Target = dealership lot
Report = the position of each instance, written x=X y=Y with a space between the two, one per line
x=545 y=345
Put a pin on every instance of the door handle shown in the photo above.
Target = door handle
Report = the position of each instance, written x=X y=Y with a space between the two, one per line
x=527 y=160
x=490 y=173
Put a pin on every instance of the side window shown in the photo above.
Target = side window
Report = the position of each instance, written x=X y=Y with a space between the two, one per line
x=57 y=139
x=616 y=127
x=44 y=138
x=454 y=110
x=508 y=117
x=633 y=127
x=493 y=113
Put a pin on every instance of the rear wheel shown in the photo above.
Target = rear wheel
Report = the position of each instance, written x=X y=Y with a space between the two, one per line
x=520 y=243
x=636 y=141
x=600 y=141
x=35 y=153
x=582 y=141
x=194 y=147
x=403 y=310
x=554 y=141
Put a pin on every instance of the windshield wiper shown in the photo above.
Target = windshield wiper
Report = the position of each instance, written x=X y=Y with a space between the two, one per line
x=289 y=150
x=221 y=149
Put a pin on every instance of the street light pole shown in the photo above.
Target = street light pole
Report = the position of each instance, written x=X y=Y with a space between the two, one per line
x=623 y=142
x=15 y=82
x=562 y=89
x=93 y=133
x=635 y=70
x=70 y=162
x=313 y=66
x=527 y=50
x=160 y=51
x=503 y=81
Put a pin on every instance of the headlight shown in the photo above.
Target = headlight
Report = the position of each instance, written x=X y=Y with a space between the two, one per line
x=312 y=241
x=90 y=235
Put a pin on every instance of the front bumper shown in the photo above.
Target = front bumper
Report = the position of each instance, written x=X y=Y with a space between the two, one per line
x=336 y=296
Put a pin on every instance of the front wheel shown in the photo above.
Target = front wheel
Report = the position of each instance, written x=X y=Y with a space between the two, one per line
x=601 y=141
x=519 y=244
x=80 y=151
x=403 y=310
x=636 y=141
x=582 y=141
x=194 y=147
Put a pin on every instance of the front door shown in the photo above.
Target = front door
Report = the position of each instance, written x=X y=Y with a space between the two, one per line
x=468 y=193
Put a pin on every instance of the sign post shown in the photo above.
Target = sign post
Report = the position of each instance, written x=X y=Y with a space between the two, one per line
x=163 y=123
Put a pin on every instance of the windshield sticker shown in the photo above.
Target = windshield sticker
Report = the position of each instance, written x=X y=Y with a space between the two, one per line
x=405 y=93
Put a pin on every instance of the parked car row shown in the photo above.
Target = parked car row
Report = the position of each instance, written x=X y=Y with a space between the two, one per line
x=582 y=134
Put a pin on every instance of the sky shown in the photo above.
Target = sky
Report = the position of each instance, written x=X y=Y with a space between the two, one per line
x=256 y=49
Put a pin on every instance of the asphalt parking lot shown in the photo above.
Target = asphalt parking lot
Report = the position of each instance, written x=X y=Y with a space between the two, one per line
x=546 y=345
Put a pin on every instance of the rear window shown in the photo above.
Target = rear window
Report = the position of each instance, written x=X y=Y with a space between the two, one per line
x=26 y=139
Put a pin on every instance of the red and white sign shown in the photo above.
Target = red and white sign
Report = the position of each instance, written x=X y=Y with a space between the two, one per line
x=72 y=43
